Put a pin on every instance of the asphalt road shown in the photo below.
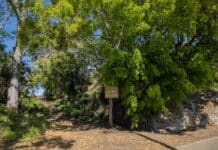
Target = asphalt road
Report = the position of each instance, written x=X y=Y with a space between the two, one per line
x=206 y=144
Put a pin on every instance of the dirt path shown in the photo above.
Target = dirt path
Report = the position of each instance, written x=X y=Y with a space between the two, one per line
x=70 y=134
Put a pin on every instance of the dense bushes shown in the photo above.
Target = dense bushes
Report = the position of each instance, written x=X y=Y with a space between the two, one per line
x=66 y=78
x=80 y=107
x=145 y=89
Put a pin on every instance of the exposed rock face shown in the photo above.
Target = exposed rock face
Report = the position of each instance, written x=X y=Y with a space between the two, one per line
x=213 y=114
x=200 y=110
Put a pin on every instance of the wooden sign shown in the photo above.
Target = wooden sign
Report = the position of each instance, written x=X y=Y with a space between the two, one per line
x=111 y=92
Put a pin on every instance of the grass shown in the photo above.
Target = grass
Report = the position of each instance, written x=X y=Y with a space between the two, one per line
x=26 y=123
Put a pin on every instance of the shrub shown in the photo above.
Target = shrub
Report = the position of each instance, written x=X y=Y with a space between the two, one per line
x=78 y=107
x=27 y=122
x=148 y=86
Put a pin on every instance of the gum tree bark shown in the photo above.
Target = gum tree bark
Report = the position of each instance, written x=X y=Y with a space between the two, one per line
x=13 y=90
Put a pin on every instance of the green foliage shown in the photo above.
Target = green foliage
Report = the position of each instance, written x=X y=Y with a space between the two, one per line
x=33 y=106
x=165 y=59
x=79 y=107
x=28 y=122
x=56 y=25
x=65 y=74
x=4 y=73
x=118 y=67
x=156 y=51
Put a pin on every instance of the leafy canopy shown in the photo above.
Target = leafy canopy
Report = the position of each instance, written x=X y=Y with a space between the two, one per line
x=156 y=51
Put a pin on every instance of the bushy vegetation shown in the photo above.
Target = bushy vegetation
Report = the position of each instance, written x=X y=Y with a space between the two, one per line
x=161 y=55
x=64 y=74
x=80 y=107
x=156 y=51
x=28 y=122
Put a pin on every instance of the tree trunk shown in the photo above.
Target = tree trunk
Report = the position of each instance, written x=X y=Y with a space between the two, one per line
x=13 y=91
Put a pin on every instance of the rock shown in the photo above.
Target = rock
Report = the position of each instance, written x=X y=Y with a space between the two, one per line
x=162 y=131
x=176 y=129
x=213 y=116
x=203 y=120
x=199 y=110
x=215 y=98
x=172 y=129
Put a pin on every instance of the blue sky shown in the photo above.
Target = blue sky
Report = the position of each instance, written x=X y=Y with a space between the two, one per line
x=11 y=28
x=8 y=24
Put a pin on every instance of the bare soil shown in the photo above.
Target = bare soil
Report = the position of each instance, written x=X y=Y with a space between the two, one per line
x=70 y=134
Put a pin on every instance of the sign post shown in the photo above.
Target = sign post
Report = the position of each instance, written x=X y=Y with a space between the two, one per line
x=110 y=113
x=111 y=92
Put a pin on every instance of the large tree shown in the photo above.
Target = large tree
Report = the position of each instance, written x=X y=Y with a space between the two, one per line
x=19 y=10
x=63 y=28
x=157 y=52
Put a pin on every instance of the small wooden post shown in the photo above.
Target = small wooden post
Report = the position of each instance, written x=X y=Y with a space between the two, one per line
x=110 y=113
x=111 y=92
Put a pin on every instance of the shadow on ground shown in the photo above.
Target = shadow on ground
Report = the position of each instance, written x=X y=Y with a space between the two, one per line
x=54 y=142
x=47 y=143
x=156 y=141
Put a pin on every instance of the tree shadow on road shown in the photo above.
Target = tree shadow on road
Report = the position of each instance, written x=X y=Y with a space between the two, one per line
x=156 y=141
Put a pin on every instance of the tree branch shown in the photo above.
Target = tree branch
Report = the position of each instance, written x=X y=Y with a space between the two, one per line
x=14 y=7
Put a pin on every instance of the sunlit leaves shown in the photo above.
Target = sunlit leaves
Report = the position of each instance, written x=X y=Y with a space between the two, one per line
x=168 y=47
x=59 y=23
x=156 y=51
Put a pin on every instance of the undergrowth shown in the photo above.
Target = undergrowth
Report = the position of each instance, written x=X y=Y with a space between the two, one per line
x=80 y=107
x=27 y=122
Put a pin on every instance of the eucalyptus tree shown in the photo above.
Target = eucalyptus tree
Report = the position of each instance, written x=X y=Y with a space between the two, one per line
x=13 y=91
x=6 y=34
x=22 y=11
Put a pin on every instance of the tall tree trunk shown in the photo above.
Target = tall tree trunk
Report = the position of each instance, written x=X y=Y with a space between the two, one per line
x=13 y=91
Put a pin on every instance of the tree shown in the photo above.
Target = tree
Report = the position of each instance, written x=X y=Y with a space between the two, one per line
x=62 y=28
x=157 y=52
x=5 y=61
x=22 y=10
x=13 y=91
x=63 y=75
